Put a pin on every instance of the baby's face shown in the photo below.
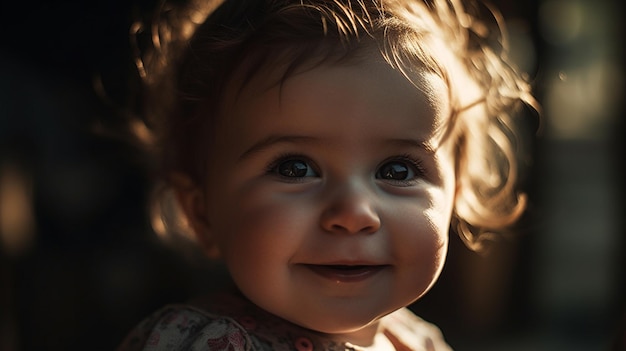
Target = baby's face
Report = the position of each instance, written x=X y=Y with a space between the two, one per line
x=329 y=199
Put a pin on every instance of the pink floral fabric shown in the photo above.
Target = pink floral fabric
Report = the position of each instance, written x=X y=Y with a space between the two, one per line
x=230 y=323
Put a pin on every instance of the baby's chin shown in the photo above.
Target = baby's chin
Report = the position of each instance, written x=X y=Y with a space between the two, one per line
x=357 y=330
x=360 y=334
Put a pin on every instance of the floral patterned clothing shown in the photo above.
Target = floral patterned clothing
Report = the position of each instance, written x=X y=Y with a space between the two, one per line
x=237 y=325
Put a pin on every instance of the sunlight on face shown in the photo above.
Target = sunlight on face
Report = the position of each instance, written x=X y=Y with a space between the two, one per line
x=327 y=199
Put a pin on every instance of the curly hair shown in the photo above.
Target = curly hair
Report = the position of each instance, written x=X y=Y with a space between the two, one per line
x=194 y=50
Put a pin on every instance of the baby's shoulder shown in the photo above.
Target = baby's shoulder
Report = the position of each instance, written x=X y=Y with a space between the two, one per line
x=186 y=327
x=222 y=322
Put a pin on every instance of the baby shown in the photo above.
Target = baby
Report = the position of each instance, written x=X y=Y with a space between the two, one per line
x=322 y=149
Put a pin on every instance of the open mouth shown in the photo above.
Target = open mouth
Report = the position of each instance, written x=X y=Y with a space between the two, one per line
x=346 y=267
x=346 y=273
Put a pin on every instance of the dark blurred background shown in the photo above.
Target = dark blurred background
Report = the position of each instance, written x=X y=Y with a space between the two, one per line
x=80 y=265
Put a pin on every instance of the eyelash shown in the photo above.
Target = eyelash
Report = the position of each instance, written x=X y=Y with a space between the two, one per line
x=416 y=164
x=272 y=167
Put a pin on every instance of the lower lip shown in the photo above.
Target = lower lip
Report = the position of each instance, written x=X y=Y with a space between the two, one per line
x=345 y=275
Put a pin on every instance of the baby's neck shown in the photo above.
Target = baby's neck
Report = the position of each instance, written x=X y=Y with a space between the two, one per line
x=370 y=338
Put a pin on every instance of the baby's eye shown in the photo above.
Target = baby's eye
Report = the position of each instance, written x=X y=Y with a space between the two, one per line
x=294 y=168
x=401 y=171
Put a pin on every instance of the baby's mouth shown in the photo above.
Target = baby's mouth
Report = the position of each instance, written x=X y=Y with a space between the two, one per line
x=347 y=273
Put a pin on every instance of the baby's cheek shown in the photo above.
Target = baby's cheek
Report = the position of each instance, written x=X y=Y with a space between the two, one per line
x=419 y=237
x=262 y=235
x=423 y=267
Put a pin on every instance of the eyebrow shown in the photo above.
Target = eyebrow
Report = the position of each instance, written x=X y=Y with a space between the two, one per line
x=274 y=140
x=411 y=143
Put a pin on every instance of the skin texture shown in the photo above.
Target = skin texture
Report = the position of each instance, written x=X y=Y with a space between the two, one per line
x=339 y=165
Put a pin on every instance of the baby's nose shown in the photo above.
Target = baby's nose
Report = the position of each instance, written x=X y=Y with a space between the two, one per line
x=351 y=209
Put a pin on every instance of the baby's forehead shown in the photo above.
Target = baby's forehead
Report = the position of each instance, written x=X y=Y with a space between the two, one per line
x=275 y=70
x=368 y=86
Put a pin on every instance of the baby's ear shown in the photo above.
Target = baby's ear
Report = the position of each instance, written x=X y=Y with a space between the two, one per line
x=192 y=201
